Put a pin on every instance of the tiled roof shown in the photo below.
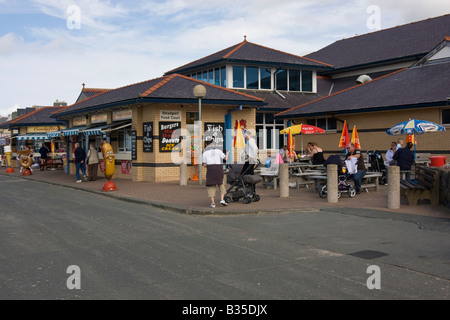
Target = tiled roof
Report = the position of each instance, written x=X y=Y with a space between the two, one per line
x=422 y=86
x=410 y=41
x=86 y=93
x=41 y=116
x=250 y=52
x=169 y=88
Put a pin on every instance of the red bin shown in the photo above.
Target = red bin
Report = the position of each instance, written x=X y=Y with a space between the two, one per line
x=437 y=161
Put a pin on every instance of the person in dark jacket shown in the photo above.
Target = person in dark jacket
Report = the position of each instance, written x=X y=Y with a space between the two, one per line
x=80 y=162
x=405 y=159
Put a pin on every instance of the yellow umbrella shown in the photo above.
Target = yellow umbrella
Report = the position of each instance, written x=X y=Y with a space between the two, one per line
x=293 y=129
x=355 y=138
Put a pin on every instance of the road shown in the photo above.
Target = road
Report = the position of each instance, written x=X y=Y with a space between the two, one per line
x=125 y=250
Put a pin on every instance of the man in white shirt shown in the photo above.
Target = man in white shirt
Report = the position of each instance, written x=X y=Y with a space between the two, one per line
x=213 y=160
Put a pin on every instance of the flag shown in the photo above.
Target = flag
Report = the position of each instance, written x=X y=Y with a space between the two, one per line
x=52 y=147
x=345 y=138
x=355 y=138
x=291 y=145
x=239 y=141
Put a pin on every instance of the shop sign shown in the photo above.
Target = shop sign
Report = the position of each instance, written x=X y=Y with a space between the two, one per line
x=44 y=129
x=81 y=121
x=99 y=118
x=167 y=115
x=148 y=136
x=169 y=136
x=122 y=115
x=215 y=131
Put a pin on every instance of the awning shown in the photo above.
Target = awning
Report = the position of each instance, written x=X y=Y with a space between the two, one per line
x=106 y=128
x=54 y=134
x=72 y=131
x=33 y=136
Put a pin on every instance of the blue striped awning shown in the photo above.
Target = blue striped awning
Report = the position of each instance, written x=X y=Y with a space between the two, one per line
x=96 y=131
x=72 y=131
x=54 y=134
x=33 y=136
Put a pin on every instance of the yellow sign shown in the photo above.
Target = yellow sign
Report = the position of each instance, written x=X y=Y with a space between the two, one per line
x=44 y=129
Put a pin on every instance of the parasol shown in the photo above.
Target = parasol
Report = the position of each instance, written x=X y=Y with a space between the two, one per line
x=345 y=137
x=355 y=138
x=302 y=129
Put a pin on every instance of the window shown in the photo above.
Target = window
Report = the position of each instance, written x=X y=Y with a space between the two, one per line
x=268 y=130
x=266 y=78
x=446 y=116
x=124 y=140
x=238 y=77
x=217 y=77
x=294 y=80
x=307 y=81
x=223 y=77
x=328 y=124
x=281 y=80
x=252 y=78
x=211 y=76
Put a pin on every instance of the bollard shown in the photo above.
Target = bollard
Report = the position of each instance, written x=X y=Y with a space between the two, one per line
x=284 y=180
x=183 y=174
x=332 y=183
x=394 y=187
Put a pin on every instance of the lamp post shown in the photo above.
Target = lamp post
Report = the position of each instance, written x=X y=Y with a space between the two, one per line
x=200 y=92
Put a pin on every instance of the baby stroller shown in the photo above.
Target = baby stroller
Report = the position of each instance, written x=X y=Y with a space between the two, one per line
x=343 y=185
x=377 y=164
x=243 y=183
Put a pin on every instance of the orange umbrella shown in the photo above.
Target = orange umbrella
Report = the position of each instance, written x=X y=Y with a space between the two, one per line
x=239 y=141
x=52 y=146
x=410 y=138
x=355 y=138
x=345 y=137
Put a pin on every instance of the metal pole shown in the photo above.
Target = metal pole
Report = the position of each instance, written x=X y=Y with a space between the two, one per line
x=200 y=153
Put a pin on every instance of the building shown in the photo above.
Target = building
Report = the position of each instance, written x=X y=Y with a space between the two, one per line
x=151 y=124
x=402 y=72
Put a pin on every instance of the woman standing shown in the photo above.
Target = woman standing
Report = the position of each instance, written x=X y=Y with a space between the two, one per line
x=92 y=161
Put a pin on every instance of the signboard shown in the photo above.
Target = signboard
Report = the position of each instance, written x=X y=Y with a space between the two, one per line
x=80 y=121
x=148 y=136
x=169 y=140
x=99 y=118
x=44 y=129
x=122 y=115
x=216 y=132
x=167 y=115
x=133 y=145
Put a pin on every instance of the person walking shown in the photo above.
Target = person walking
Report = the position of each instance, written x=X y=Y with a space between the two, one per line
x=213 y=161
x=44 y=154
x=92 y=162
x=80 y=162
x=360 y=166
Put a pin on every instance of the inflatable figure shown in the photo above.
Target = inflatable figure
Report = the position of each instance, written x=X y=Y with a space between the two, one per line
x=8 y=154
x=26 y=161
x=108 y=157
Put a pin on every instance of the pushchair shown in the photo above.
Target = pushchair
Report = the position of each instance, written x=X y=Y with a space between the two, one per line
x=242 y=183
x=343 y=185
x=377 y=164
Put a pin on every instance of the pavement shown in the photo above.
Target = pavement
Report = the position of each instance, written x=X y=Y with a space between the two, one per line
x=193 y=199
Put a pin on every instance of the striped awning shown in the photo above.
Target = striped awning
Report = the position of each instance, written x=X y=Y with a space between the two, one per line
x=72 y=131
x=33 y=136
x=54 y=134
x=96 y=131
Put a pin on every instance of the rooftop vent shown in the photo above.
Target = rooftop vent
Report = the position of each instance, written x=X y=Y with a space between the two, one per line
x=363 y=79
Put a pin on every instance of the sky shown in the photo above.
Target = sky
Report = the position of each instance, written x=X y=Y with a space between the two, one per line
x=49 y=48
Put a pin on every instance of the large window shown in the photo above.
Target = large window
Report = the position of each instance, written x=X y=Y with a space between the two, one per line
x=252 y=78
x=266 y=78
x=328 y=124
x=282 y=80
x=268 y=130
x=124 y=140
x=307 y=81
x=216 y=76
x=294 y=80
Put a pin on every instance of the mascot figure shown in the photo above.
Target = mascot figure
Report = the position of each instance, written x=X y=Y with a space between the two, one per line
x=8 y=153
x=26 y=161
x=108 y=157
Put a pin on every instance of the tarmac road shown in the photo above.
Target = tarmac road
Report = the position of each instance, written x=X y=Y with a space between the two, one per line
x=126 y=250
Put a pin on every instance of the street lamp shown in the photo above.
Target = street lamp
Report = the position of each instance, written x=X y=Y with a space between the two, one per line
x=200 y=92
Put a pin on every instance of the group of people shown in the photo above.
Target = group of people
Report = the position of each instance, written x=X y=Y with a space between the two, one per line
x=400 y=156
x=82 y=159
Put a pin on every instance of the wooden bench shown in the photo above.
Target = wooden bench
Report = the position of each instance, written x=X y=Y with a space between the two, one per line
x=270 y=176
x=427 y=186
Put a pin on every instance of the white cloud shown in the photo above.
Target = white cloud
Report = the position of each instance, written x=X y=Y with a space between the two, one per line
x=123 y=42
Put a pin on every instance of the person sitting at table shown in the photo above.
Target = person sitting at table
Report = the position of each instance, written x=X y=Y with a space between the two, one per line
x=316 y=154
x=289 y=158
x=405 y=159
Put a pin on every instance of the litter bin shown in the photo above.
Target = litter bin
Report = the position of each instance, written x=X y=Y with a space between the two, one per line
x=437 y=161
